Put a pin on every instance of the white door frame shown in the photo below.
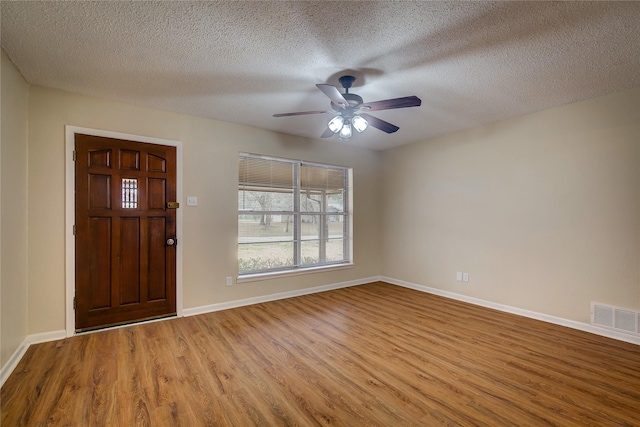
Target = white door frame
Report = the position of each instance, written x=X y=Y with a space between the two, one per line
x=70 y=249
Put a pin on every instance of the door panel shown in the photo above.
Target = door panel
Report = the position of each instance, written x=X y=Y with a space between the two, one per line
x=157 y=258
x=99 y=192
x=100 y=263
x=156 y=164
x=100 y=158
x=129 y=159
x=156 y=193
x=129 y=261
x=125 y=271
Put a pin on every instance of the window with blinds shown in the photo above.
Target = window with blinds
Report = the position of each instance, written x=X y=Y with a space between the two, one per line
x=291 y=215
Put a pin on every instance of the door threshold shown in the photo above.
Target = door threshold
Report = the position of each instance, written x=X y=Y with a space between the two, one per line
x=119 y=325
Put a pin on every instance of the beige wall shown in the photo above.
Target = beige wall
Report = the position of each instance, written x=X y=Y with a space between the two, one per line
x=13 y=220
x=210 y=151
x=542 y=211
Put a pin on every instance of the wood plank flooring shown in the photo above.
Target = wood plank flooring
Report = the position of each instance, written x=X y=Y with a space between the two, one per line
x=370 y=355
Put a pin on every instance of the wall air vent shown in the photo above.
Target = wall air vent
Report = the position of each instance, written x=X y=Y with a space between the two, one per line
x=617 y=318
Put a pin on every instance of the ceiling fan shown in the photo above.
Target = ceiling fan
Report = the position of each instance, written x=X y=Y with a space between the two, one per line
x=352 y=112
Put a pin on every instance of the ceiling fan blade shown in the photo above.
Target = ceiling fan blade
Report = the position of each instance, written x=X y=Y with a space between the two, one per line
x=334 y=94
x=327 y=133
x=302 y=113
x=388 y=104
x=379 y=123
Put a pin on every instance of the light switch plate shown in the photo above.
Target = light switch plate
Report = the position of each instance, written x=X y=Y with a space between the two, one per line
x=192 y=201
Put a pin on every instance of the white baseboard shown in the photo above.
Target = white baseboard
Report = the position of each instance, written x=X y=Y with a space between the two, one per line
x=15 y=358
x=13 y=361
x=273 y=297
x=519 y=311
x=46 y=337
x=17 y=355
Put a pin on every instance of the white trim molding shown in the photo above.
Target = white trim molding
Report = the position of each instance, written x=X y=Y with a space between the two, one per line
x=518 y=311
x=17 y=355
x=274 y=297
x=70 y=279
x=13 y=361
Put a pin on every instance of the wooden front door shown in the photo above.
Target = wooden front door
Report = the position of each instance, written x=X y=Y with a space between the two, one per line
x=125 y=231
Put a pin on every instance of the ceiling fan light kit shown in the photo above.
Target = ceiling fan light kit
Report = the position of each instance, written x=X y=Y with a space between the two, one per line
x=352 y=110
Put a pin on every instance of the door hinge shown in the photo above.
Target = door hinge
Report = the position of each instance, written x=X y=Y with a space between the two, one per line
x=74 y=229
x=74 y=155
x=74 y=302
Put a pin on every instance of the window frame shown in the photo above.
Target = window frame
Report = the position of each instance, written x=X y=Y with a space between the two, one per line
x=298 y=266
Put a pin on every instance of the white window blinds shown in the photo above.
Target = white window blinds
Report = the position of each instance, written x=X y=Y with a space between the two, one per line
x=291 y=214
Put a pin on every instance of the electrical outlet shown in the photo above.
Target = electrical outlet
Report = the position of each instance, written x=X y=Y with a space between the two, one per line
x=192 y=201
x=459 y=276
x=465 y=277
x=229 y=282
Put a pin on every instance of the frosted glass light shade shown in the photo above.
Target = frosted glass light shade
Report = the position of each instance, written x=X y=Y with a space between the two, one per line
x=359 y=123
x=336 y=124
x=345 y=132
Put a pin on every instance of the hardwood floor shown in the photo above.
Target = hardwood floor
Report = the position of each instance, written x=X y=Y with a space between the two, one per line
x=371 y=355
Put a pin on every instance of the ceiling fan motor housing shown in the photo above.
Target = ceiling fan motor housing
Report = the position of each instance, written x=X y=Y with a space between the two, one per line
x=353 y=99
x=346 y=82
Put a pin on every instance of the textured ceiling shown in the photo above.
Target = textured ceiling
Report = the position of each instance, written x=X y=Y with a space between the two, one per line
x=470 y=63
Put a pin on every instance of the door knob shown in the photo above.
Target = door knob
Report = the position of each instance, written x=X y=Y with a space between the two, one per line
x=171 y=241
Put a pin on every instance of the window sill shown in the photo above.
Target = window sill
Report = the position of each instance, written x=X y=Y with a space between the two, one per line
x=299 y=271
